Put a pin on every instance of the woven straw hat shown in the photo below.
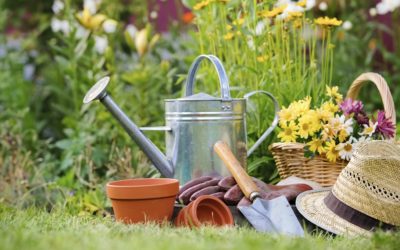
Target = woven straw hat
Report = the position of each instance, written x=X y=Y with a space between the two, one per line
x=366 y=195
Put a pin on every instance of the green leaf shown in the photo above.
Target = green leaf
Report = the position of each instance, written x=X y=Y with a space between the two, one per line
x=189 y=3
x=129 y=40
x=254 y=165
x=63 y=144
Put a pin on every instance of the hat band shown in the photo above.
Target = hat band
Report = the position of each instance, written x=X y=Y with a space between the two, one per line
x=354 y=216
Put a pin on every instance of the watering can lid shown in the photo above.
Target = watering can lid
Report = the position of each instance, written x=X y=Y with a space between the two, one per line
x=199 y=96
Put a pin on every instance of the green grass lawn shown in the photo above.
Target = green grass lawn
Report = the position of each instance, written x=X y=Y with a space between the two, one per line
x=36 y=229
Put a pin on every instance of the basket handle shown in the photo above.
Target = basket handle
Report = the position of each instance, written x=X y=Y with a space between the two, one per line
x=383 y=88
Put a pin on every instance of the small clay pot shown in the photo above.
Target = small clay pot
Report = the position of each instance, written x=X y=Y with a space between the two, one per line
x=143 y=200
x=205 y=210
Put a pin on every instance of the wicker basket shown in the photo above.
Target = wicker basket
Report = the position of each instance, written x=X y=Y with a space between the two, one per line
x=290 y=159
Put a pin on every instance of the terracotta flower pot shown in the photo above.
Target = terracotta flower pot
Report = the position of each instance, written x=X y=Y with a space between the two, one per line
x=143 y=200
x=205 y=210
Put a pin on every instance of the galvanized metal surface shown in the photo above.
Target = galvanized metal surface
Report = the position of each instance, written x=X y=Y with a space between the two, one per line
x=98 y=91
x=198 y=121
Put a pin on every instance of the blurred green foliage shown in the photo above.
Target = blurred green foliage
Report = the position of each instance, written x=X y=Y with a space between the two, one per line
x=55 y=147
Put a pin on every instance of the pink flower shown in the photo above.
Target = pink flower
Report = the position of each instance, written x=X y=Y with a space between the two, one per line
x=385 y=126
x=348 y=106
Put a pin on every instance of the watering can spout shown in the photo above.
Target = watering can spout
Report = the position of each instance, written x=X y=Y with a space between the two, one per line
x=160 y=161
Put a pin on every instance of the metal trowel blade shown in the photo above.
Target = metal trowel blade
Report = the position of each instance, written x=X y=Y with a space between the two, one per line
x=273 y=216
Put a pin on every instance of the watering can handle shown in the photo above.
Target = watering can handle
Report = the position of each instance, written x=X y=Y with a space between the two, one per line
x=274 y=122
x=223 y=79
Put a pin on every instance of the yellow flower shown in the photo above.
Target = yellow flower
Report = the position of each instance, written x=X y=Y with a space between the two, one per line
x=91 y=22
x=316 y=145
x=295 y=14
x=342 y=135
x=324 y=115
x=228 y=27
x=228 y=36
x=262 y=58
x=334 y=93
x=289 y=132
x=332 y=153
x=308 y=124
x=301 y=107
x=305 y=128
x=328 y=132
x=330 y=107
x=142 y=42
x=297 y=23
x=239 y=21
x=274 y=12
x=326 y=21
x=302 y=3
x=201 y=5
x=313 y=117
x=286 y=115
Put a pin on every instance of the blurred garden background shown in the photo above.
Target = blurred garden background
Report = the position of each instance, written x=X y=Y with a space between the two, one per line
x=57 y=152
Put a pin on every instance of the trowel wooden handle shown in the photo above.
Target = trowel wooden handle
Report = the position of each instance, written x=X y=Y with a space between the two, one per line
x=244 y=181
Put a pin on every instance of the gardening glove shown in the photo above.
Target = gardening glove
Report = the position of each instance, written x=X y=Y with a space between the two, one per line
x=234 y=196
x=269 y=192
x=228 y=191
x=199 y=186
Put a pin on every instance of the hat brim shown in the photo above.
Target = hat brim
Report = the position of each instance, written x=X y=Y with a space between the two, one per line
x=311 y=205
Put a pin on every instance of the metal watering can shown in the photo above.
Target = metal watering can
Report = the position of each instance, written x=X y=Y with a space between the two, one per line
x=194 y=124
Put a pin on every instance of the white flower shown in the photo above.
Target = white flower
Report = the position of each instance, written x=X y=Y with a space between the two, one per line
x=363 y=139
x=310 y=4
x=347 y=25
x=345 y=150
x=291 y=7
x=80 y=31
x=369 y=129
x=55 y=24
x=57 y=6
x=100 y=44
x=339 y=122
x=387 y=6
x=91 y=5
x=372 y=12
x=153 y=14
x=323 y=6
x=132 y=30
x=282 y=2
x=348 y=125
x=260 y=28
x=60 y=25
x=382 y=8
x=250 y=42
x=110 y=26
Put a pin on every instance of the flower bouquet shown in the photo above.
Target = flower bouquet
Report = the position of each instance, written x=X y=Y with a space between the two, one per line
x=318 y=141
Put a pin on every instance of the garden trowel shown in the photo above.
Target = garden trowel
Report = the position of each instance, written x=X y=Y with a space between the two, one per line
x=272 y=216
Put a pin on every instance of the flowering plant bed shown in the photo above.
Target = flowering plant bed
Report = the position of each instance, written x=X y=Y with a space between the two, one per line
x=318 y=141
